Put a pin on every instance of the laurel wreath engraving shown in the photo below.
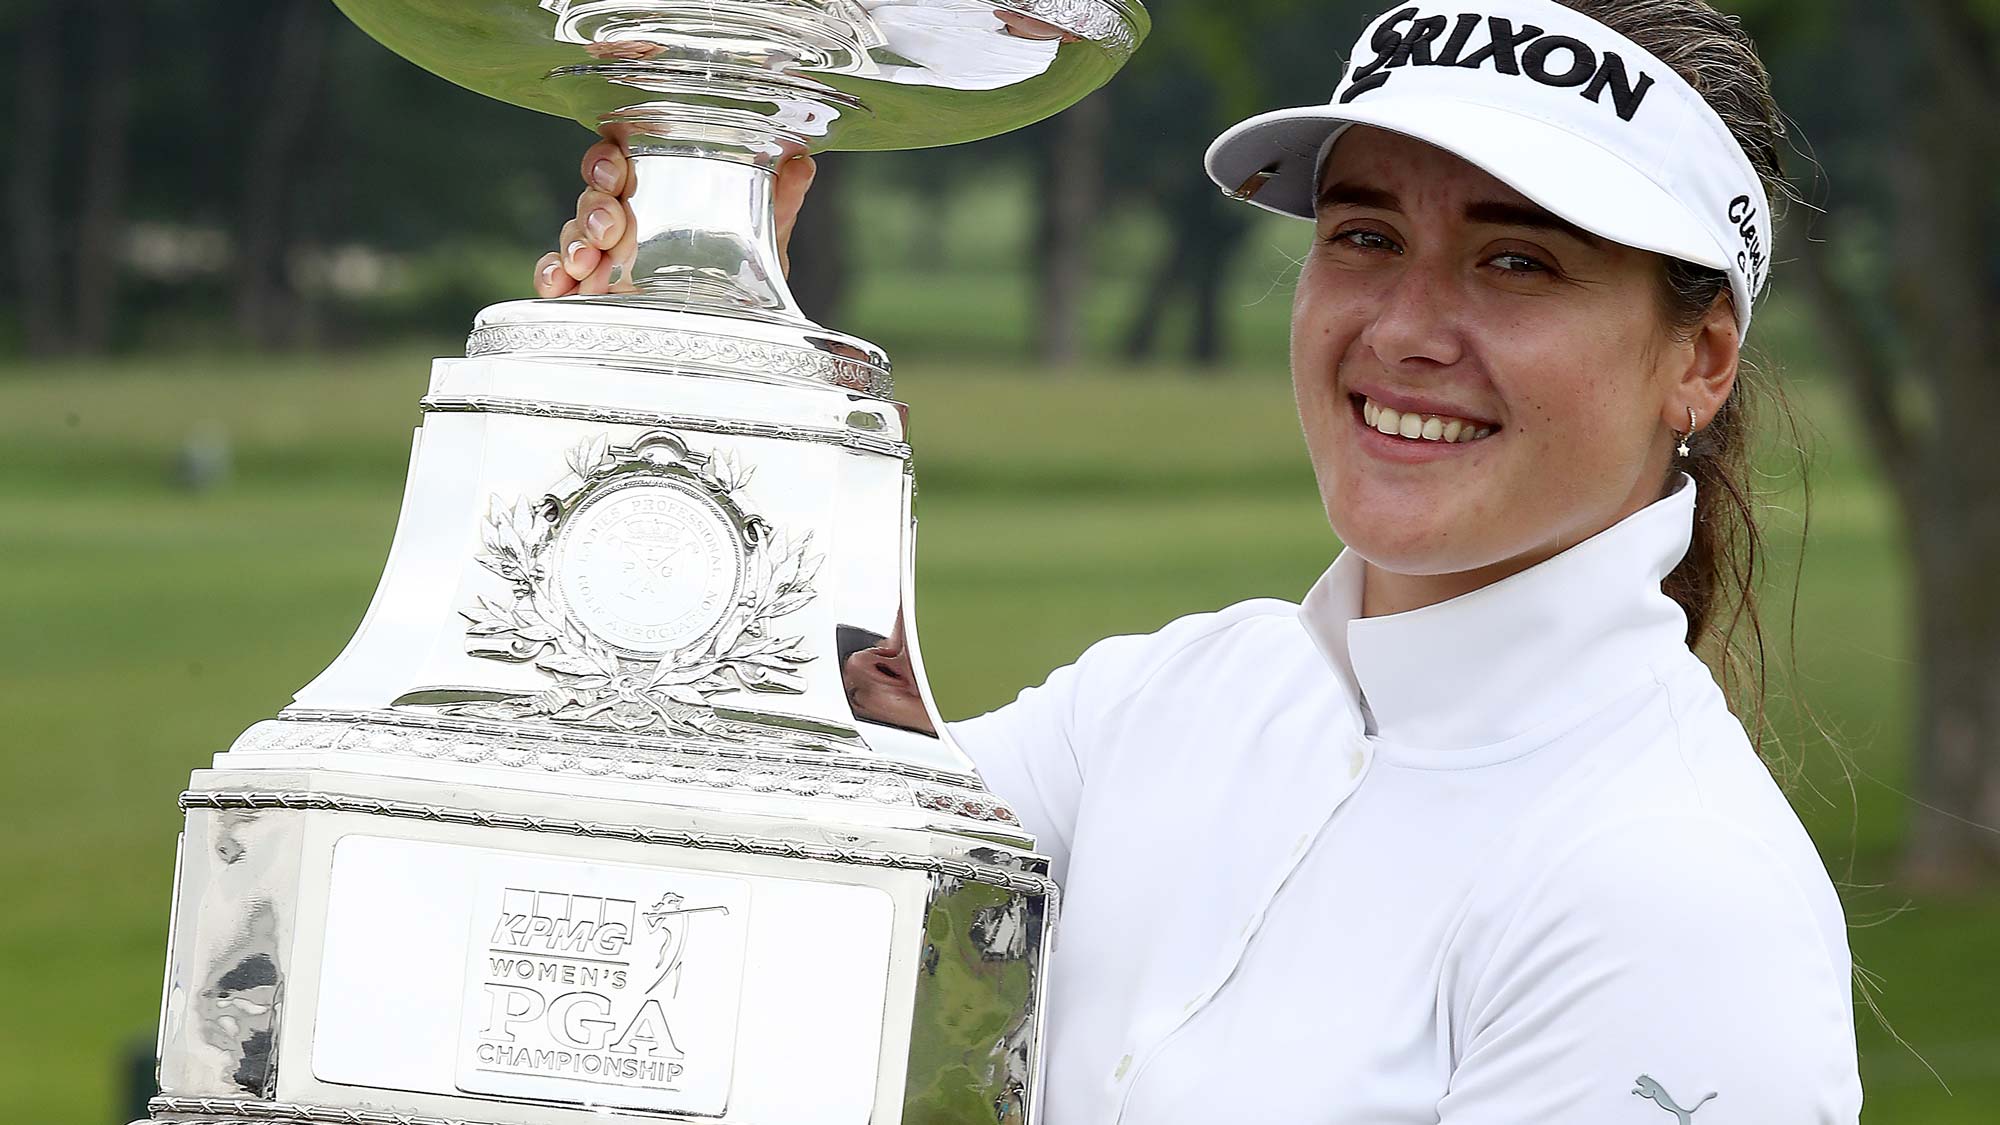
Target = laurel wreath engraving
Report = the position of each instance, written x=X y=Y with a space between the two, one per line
x=594 y=685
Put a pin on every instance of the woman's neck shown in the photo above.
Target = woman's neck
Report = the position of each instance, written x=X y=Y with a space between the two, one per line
x=1384 y=592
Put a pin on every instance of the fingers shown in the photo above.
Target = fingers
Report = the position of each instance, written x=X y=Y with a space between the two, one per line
x=605 y=167
x=795 y=178
x=600 y=219
x=613 y=272
x=551 y=279
x=597 y=248
x=579 y=257
x=588 y=246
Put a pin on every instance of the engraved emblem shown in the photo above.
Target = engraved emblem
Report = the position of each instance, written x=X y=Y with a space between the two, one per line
x=648 y=568
x=642 y=593
x=580 y=981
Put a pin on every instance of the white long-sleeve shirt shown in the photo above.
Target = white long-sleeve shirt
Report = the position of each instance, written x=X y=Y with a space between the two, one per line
x=1503 y=860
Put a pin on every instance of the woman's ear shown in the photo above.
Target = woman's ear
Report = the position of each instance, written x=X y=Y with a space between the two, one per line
x=1709 y=373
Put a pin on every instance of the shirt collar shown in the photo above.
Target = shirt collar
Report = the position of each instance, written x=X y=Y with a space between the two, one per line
x=1533 y=647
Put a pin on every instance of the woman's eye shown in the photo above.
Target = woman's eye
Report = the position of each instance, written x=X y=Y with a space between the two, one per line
x=1511 y=262
x=1364 y=239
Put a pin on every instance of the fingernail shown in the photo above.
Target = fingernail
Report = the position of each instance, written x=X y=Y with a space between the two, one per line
x=574 y=248
x=604 y=175
x=548 y=274
x=598 y=224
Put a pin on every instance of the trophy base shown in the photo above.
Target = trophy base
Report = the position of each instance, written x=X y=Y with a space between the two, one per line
x=628 y=797
x=356 y=949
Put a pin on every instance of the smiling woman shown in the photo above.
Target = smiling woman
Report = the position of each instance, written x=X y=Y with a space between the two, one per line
x=1736 y=130
x=1470 y=834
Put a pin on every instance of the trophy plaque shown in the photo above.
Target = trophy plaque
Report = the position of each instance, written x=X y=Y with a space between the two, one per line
x=628 y=798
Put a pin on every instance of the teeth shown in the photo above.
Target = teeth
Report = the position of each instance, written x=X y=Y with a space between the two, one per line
x=1420 y=427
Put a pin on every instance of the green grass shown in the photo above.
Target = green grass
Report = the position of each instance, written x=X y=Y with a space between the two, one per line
x=146 y=626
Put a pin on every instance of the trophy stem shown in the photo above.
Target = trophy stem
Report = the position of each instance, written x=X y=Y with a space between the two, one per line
x=706 y=231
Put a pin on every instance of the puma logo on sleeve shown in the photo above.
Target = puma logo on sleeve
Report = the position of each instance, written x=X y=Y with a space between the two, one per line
x=1646 y=1087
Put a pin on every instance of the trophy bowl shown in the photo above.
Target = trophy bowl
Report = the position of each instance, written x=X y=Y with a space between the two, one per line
x=830 y=74
x=740 y=85
x=629 y=798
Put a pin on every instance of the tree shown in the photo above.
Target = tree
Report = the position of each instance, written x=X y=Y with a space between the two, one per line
x=273 y=156
x=1905 y=276
x=1202 y=237
x=74 y=86
x=1205 y=67
x=1068 y=188
x=100 y=222
x=31 y=183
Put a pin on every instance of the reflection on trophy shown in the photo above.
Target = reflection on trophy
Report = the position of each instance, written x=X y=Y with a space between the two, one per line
x=628 y=796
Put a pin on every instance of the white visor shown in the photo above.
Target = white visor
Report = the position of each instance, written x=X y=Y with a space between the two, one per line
x=1548 y=101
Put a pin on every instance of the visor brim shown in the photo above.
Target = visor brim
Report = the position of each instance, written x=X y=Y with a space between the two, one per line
x=1573 y=178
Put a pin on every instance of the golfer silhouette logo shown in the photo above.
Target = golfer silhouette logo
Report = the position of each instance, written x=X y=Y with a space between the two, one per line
x=1648 y=1088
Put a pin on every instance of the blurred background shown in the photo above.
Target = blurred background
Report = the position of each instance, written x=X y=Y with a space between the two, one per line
x=237 y=232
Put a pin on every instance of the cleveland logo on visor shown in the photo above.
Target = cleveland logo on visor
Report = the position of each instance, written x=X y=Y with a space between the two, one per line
x=1473 y=40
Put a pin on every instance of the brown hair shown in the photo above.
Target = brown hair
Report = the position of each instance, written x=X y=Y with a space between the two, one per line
x=1717 y=582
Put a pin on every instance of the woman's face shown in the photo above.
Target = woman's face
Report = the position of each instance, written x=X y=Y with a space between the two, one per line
x=1432 y=288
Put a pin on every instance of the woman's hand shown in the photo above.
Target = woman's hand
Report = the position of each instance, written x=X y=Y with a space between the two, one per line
x=601 y=239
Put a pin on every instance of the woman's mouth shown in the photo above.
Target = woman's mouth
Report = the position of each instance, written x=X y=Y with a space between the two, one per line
x=1443 y=429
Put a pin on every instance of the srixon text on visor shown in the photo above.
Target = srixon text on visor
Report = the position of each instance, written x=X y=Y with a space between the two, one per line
x=1560 y=61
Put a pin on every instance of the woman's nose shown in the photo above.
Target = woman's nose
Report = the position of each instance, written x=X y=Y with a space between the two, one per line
x=1417 y=320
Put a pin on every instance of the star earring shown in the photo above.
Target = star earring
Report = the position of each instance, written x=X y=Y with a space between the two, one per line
x=1683 y=449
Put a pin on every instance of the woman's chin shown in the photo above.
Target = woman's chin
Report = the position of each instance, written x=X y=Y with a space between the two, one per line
x=1390 y=540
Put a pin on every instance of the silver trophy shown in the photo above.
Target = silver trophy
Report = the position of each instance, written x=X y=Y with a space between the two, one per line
x=629 y=797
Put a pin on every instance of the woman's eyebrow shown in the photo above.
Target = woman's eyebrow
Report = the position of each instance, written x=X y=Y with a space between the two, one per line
x=1501 y=213
x=1498 y=212
x=1341 y=193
